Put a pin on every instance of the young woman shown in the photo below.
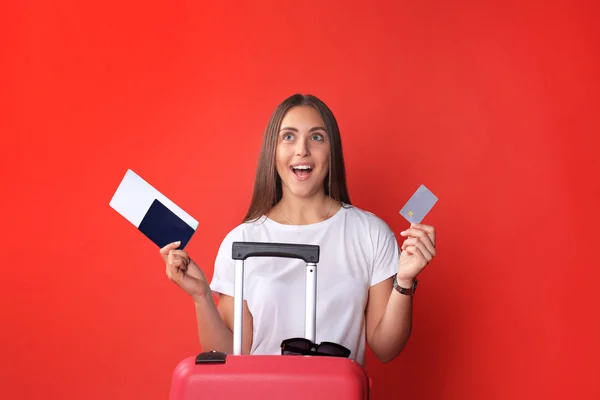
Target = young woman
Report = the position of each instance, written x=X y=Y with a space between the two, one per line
x=300 y=196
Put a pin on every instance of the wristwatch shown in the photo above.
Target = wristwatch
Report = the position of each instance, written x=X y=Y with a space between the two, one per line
x=401 y=290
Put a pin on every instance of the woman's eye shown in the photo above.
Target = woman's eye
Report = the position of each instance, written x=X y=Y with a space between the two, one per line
x=317 y=137
x=288 y=136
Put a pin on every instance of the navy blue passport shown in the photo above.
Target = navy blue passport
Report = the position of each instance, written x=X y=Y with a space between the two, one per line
x=163 y=226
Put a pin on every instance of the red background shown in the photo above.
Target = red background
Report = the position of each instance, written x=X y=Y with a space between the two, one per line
x=493 y=105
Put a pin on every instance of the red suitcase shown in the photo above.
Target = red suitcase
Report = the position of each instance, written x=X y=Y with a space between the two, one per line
x=219 y=376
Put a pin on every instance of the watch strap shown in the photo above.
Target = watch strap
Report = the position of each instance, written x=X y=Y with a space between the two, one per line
x=406 y=291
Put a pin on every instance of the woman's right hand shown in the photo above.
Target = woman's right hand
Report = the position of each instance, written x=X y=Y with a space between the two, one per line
x=182 y=270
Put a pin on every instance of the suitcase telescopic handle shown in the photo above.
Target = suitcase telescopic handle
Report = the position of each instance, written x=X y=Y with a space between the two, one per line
x=244 y=250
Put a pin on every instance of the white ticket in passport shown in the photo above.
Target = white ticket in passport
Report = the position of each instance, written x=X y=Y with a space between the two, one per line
x=151 y=212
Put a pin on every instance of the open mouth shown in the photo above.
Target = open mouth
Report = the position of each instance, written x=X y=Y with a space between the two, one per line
x=302 y=171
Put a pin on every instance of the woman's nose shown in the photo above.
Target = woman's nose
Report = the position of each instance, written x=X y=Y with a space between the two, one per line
x=302 y=148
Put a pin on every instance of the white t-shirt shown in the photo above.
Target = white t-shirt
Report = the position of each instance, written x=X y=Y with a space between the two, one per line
x=357 y=250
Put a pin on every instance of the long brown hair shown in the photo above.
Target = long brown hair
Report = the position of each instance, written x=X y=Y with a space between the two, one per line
x=267 y=184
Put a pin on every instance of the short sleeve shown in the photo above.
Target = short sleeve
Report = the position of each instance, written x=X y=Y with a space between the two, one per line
x=224 y=269
x=386 y=258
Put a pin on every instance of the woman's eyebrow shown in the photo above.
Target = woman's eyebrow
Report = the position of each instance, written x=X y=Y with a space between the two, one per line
x=316 y=128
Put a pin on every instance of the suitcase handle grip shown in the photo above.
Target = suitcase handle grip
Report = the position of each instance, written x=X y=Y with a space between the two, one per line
x=243 y=250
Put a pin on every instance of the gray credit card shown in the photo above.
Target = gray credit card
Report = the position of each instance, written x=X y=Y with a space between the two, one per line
x=417 y=207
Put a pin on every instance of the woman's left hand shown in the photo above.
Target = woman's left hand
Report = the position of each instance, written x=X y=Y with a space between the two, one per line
x=417 y=251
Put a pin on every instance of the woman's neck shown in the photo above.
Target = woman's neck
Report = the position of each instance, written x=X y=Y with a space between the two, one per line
x=304 y=211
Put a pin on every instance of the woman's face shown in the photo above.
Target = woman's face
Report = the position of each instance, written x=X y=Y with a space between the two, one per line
x=302 y=153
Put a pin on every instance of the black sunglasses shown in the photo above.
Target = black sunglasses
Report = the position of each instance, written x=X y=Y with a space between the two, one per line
x=302 y=346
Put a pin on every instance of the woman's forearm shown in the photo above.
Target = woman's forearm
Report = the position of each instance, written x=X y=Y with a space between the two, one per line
x=394 y=328
x=213 y=333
